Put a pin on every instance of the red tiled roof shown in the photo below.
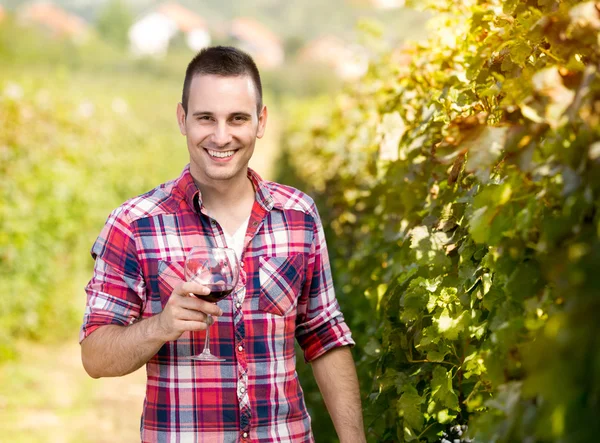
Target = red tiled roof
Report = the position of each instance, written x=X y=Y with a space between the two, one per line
x=246 y=28
x=263 y=44
x=54 y=18
x=327 y=49
x=185 y=19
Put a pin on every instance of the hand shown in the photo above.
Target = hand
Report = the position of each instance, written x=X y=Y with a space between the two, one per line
x=185 y=312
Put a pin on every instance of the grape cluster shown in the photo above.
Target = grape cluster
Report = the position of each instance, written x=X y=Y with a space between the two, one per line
x=456 y=434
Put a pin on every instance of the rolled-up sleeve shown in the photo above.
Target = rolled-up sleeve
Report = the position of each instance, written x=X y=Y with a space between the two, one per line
x=320 y=324
x=117 y=289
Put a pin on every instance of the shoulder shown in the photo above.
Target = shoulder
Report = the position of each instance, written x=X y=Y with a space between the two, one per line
x=160 y=200
x=290 y=198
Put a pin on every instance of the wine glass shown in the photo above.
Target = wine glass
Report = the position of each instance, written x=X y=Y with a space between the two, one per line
x=218 y=270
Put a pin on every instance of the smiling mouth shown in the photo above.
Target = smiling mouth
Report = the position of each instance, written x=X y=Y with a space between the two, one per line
x=220 y=154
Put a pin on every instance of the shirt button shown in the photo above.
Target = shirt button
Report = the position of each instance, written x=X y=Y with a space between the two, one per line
x=242 y=264
x=213 y=221
x=240 y=349
x=245 y=435
x=242 y=389
x=238 y=305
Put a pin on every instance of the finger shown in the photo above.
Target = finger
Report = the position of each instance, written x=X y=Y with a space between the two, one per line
x=192 y=315
x=191 y=288
x=197 y=304
x=194 y=325
x=209 y=308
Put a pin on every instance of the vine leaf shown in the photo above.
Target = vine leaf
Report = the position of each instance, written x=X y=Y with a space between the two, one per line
x=409 y=407
x=391 y=130
x=484 y=145
x=441 y=388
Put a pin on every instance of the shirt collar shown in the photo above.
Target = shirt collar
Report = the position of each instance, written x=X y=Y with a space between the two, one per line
x=191 y=194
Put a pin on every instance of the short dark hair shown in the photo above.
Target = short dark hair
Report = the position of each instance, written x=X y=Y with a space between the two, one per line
x=225 y=61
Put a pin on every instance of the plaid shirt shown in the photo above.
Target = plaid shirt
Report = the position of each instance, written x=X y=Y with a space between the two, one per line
x=285 y=292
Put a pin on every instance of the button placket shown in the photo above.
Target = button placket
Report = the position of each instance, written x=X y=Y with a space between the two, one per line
x=242 y=381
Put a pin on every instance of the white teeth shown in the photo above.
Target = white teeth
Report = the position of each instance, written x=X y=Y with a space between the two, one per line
x=221 y=154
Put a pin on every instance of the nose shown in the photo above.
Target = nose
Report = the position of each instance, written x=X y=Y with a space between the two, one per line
x=221 y=136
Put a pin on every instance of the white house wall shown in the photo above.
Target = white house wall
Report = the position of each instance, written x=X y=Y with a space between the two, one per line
x=197 y=39
x=151 y=35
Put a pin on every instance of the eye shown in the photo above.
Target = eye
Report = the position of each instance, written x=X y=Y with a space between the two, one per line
x=240 y=118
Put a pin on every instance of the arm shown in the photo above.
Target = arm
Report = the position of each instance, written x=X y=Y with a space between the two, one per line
x=325 y=339
x=114 y=350
x=113 y=340
x=336 y=376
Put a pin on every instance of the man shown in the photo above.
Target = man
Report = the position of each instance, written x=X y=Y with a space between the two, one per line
x=140 y=312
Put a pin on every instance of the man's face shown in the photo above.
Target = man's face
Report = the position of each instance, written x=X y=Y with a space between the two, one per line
x=221 y=126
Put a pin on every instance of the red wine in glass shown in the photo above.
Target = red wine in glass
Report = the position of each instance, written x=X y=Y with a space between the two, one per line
x=216 y=295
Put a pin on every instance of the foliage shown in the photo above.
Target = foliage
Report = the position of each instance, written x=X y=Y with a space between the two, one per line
x=114 y=22
x=460 y=182
x=72 y=147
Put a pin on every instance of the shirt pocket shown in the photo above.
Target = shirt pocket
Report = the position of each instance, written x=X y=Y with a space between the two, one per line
x=281 y=281
x=170 y=275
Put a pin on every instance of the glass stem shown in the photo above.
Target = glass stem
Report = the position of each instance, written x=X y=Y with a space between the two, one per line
x=209 y=322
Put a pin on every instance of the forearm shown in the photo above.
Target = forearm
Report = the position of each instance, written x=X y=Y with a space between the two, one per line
x=114 y=350
x=335 y=374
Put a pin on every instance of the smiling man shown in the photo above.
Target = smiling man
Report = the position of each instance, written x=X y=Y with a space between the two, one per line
x=139 y=311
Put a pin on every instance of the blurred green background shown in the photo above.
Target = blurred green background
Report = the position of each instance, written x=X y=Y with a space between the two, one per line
x=456 y=172
x=86 y=123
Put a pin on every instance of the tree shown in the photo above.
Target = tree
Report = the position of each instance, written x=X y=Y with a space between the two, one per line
x=114 y=22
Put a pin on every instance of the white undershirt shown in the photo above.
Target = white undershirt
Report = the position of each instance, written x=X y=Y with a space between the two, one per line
x=236 y=241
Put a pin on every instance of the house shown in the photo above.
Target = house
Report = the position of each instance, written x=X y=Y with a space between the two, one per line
x=262 y=44
x=347 y=61
x=388 y=4
x=153 y=32
x=55 y=20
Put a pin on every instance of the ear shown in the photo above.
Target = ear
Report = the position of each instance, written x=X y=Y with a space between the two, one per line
x=262 y=122
x=181 y=119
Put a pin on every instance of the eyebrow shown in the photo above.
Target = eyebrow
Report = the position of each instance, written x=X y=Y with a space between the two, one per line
x=233 y=114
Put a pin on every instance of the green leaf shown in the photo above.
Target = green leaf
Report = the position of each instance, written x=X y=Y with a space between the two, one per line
x=485 y=145
x=489 y=222
x=446 y=416
x=409 y=407
x=448 y=295
x=429 y=247
x=525 y=281
x=519 y=52
x=391 y=130
x=448 y=326
x=436 y=356
x=441 y=388
x=486 y=279
x=413 y=303
x=373 y=348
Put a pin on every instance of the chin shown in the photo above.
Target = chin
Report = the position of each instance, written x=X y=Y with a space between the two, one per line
x=221 y=175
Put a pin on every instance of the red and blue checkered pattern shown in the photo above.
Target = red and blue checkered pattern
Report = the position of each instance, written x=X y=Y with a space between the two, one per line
x=285 y=293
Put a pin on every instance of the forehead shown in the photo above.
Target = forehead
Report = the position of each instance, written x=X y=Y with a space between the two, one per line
x=208 y=92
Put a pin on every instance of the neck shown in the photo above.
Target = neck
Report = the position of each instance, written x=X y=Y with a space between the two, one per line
x=225 y=193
